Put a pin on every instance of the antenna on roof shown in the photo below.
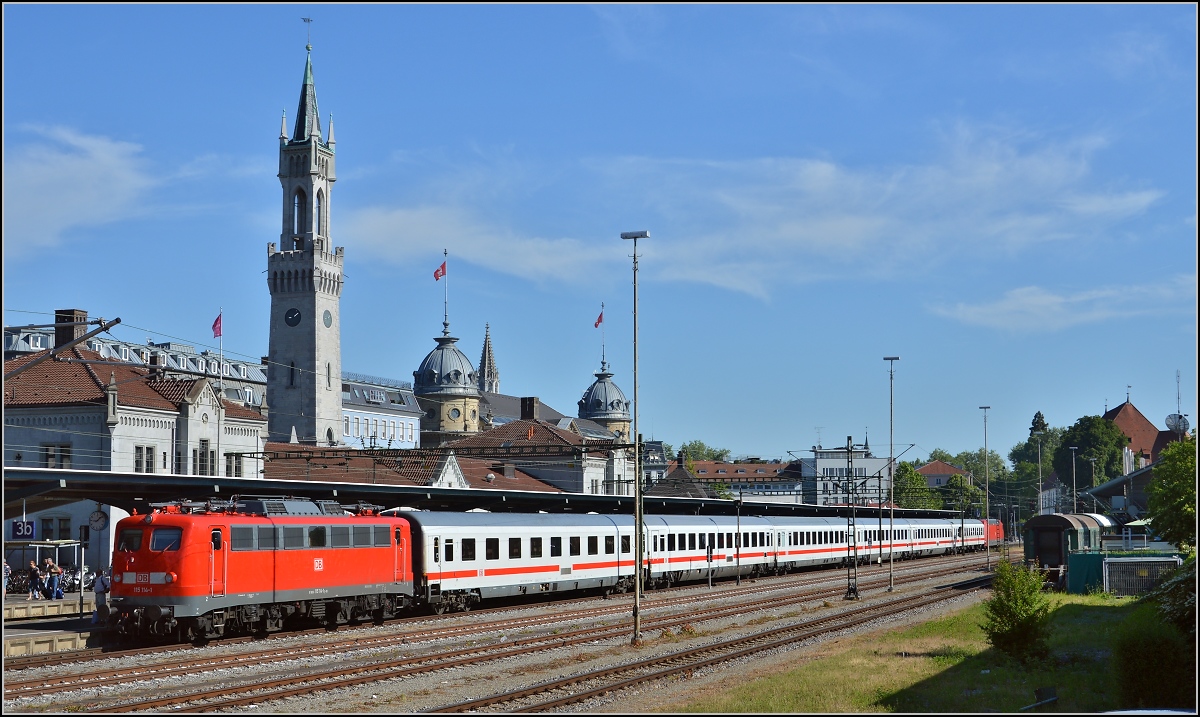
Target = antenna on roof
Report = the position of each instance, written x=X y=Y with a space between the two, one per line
x=1127 y=387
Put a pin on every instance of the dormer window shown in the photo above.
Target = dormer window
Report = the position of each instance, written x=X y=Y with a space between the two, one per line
x=242 y=370
x=36 y=341
x=124 y=353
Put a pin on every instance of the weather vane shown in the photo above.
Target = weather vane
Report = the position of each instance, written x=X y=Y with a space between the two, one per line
x=308 y=25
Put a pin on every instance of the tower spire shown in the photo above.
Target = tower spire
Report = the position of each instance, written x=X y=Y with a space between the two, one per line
x=603 y=357
x=489 y=377
x=308 y=121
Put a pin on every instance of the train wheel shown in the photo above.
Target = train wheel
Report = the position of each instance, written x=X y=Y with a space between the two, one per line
x=439 y=609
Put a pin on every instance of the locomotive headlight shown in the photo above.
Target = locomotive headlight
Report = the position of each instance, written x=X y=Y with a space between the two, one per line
x=172 y=577
x=149 y=518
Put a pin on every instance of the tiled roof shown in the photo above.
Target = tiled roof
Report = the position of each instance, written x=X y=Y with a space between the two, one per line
x=64 y=384
x=476 y=471
x=1141 y=432
x=679 y=483
x=941 y=468
x=712 y=470
x=524 y=433
x=237 y=410
x=417 y=468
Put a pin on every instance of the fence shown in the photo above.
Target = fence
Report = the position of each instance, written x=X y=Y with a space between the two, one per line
x=1136 y=576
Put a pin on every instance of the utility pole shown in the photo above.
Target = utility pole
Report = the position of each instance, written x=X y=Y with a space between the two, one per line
x=640 y=548
x=987 y=509
x=851 y=525
x=891 y=470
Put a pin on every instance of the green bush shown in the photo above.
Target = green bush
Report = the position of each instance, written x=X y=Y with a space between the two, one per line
x=1017 y=617
x=1176 y=598
x=1153 y=663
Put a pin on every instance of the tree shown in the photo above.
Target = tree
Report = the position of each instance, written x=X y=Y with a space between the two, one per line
x=912 y=491
x=699 y=451
x=1024 y=458
x=959 y=494
x=1017 y=617
x=937 y=454
x=1038 y=424
x=1172 y=493
x=1096 y=438
x=723 y=490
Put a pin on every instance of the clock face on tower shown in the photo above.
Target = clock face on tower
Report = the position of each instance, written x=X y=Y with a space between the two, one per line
x=327 y=318
x=292 y=317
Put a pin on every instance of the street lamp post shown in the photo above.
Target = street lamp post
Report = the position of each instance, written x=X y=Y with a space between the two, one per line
x=891 y=469
x=987 y=542
x=1093 y=460
x=640 y=548
x=1074 y=492
x=1039 y=495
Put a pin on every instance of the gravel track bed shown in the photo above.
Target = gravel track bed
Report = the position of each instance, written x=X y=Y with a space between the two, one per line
x=448 y=686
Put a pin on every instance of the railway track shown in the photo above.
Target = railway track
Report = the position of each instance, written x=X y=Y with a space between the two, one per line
x=260 y=691
x=600 y=682
x=653 y=599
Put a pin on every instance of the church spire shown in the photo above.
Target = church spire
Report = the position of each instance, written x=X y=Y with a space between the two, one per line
x=308 y=121
x=489 y=377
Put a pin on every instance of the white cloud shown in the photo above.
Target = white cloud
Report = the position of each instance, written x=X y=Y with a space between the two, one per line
x=400 y=235
x=1032 y=309
x=751 y=224
x=68 y=180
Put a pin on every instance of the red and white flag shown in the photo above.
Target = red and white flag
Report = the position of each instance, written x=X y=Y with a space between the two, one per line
x=439 y=272
x=217 y=326
x=599 y=320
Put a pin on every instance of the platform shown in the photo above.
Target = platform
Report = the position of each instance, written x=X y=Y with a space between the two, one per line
x=39 y=626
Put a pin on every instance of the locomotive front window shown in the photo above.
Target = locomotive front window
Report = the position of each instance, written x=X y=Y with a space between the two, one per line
x=535 y=547
x=316 y=536
x=555 y=547
x=166 y=539
x=468 y=548
x=492 y=548
x=130 y=541
x=514 y=548
x=574 y=545
x=625 y=544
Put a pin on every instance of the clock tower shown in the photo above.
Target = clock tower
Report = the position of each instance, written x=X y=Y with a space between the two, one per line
x=304 y=276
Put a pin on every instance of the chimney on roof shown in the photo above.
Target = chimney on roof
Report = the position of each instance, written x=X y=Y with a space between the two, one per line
x=66 y=334
x=508 y=470
x=529 y=408
x=682 y=458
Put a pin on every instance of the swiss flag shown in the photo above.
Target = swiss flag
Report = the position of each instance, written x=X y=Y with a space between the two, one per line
x=599 y=320
x=439 y=272
x=217 y=326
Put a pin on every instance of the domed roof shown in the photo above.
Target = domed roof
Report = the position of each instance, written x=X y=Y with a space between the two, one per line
x=603 y=400
x=446 y=371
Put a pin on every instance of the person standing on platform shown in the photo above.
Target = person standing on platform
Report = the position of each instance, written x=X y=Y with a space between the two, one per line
x=7 y=575
x=52 y=577
x=35 y=581
x=101 y=588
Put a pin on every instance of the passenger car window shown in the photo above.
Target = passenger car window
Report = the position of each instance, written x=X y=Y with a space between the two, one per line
x=555 y=547
x=468 y=548
x=574 y=545
x=593 y=545
x=625 y=544
x=491 y=548
x=535 y=547
x=514 y=548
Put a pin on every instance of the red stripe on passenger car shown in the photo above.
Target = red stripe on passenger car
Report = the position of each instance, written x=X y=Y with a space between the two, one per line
x=522 y=570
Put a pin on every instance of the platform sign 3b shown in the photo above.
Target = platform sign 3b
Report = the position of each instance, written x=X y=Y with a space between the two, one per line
x=22 y=530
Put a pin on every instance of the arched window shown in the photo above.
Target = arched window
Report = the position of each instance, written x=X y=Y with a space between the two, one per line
x=320 y=215
x=298 y=213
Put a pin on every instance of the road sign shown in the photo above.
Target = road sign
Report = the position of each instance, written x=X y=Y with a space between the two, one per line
x=22 y=530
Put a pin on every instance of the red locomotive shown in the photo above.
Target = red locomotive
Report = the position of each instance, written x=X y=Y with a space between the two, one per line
x=197 y=570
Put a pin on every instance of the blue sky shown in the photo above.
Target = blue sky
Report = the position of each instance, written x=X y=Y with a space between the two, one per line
x=1003 y=196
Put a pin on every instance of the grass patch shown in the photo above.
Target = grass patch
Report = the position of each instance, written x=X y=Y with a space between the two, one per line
x=944 y=665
